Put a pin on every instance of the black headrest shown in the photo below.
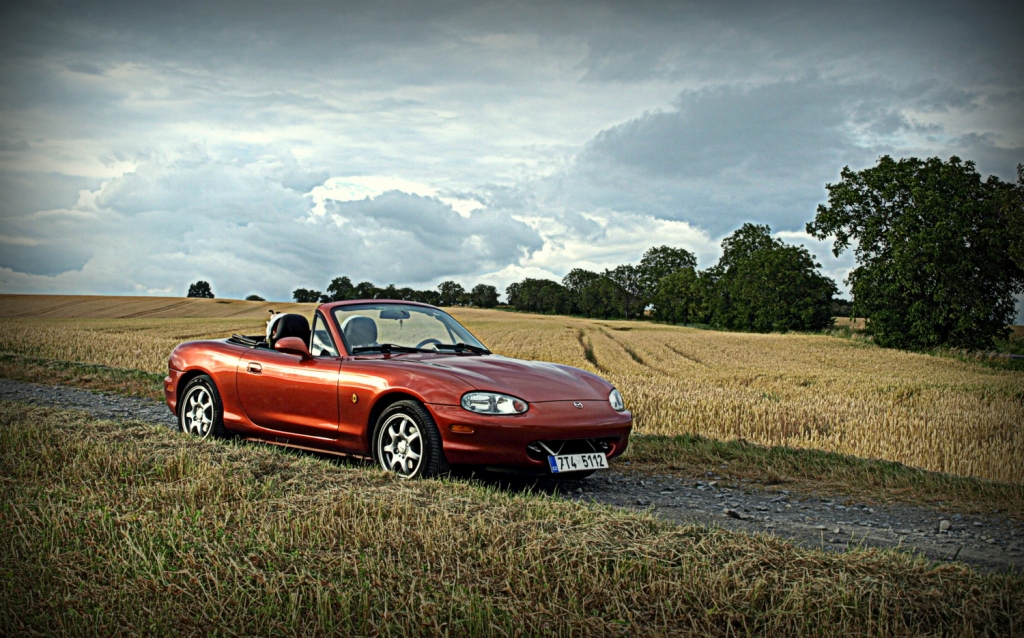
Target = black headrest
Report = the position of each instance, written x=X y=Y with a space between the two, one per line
x=360 y=331
x=290 y=326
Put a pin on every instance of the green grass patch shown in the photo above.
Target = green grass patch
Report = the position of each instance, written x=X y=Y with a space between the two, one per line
x=815 y=471
x=112 y=528
x=137 y=383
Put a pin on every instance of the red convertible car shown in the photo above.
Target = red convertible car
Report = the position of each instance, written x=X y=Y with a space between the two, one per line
x=403 y=383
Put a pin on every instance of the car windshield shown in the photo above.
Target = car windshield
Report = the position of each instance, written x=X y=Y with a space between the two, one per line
x=367 y=327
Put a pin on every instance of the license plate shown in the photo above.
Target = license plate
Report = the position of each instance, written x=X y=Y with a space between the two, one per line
x=577 y=462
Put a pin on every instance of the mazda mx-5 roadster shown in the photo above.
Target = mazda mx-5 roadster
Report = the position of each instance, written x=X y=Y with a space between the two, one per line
x=403 y=383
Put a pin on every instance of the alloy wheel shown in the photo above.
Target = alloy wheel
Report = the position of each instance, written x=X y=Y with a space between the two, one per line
x=197 y=418
x=400 y=446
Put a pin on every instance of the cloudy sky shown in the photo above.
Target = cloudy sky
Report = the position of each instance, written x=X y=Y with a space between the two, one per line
x=264 y=147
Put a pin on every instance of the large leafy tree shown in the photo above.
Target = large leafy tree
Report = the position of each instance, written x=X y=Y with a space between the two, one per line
x=451 y=293
x=629 y=279
x=677 y=296
x=933 y=246
x=484 y=296
x=660 y=262
x=304 y=295
x=365 y=290
x=1013 y=207
x=340 y=289
x=200 y=289
x=778 y=288
x=538 y=295
x=760 y=284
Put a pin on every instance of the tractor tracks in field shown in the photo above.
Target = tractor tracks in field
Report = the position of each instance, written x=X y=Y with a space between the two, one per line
x=143 y=313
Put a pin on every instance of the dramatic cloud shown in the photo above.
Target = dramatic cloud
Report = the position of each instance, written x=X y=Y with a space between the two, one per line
x=264 y=146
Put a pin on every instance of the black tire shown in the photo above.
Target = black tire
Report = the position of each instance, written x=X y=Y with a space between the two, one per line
x=407 y=443
x=200 y=411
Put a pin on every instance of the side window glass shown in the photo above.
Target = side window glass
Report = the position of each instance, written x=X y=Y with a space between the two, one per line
x=321 y=344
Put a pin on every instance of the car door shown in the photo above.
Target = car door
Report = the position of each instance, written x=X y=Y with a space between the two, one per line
x=288 y=394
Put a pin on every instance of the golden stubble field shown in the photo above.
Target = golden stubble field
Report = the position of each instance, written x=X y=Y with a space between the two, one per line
x=805 y=391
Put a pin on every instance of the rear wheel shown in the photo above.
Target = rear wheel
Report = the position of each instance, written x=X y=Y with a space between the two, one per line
x=200 y=412
x=406 y=442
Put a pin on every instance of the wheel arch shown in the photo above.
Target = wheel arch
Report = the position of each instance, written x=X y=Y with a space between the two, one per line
x=184 y=381
x=382 y=403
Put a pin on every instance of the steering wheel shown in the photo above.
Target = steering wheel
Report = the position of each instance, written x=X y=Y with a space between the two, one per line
x=426 y=341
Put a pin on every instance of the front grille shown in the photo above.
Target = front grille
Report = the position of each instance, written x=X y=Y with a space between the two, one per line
x=540 y=450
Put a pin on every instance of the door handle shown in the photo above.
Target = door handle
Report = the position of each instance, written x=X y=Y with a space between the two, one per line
x=254 y=368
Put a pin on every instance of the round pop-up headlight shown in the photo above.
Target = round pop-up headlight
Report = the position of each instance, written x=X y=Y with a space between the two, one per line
x=616 y=400
x=493 y=403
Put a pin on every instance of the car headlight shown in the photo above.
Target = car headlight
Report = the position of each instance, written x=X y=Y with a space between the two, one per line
x=616 y=400
x=493 y=403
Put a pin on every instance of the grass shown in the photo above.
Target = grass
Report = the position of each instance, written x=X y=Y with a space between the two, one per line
x=90 y=376
x=126 y=528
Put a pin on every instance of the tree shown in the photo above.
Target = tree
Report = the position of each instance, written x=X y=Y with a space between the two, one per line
x=538 y=295
x=933 y=250
x=254 y=298
x=365 y=290
x=200 y=289
x=302 y=295
x=661 y=262
x=601 y=298
x=764 y=285
x=1013 y=205
x=450 y=292
x=630 y=282
x=677 y=296
x=778 y=289
x=340 y=289
x=574 y=282
x=484 y=296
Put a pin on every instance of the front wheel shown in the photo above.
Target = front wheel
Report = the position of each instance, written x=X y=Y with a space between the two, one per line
x=200 y=412
x=406 y=442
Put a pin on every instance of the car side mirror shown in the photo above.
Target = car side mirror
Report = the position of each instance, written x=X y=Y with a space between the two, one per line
x=293 y=345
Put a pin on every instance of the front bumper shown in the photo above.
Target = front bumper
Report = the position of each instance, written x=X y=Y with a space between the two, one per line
x=506 y=440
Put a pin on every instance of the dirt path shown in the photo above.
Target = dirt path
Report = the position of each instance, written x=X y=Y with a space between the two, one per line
x=990 y=541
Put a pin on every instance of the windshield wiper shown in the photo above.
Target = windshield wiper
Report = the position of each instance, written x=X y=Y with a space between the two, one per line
x=386 y=348
x=460 y=347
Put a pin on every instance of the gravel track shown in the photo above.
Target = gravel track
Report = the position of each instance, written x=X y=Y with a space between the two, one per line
x=990 y=541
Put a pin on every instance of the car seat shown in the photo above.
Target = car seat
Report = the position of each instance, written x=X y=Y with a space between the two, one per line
x=360 y=331
x=289 y=326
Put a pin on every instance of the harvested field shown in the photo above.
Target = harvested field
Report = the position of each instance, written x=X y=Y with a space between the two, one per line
x=804 y=391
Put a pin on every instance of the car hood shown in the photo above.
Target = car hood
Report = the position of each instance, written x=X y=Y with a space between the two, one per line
x=532 y=381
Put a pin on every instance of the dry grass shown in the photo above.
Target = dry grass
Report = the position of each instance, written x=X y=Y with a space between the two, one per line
x=129 y=529
x=804 y=391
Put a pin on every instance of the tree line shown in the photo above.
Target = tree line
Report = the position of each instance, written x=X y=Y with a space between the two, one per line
x=448 y=293
x=760 y=284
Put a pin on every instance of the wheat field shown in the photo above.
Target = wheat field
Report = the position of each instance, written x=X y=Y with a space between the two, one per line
x=804 y=391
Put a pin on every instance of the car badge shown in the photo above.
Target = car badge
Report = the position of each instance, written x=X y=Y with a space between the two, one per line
x=578 y=404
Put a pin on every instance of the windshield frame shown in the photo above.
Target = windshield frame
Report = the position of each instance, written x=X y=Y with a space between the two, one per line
x=450 y=324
